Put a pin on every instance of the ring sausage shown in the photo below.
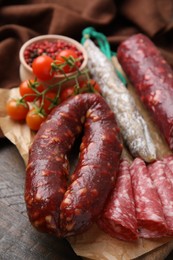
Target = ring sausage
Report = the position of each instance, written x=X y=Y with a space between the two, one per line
x=52 y=205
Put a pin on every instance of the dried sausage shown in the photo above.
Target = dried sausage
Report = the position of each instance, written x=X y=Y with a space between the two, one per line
x=152 y=77
x=132 y=125
x=52 y=206
x=149 y=212
x=118 y=218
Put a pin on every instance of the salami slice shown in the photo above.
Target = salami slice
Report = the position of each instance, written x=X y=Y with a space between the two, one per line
x=119 y=218
x=149 y=212
x=165 y=191
x=152 y=77
x=169 y=172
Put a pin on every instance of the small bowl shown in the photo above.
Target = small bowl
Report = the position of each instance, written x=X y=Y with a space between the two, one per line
x=26 y=72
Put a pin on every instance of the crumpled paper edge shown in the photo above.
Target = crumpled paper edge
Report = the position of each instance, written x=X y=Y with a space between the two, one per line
x=17 y=132
x=96 y=245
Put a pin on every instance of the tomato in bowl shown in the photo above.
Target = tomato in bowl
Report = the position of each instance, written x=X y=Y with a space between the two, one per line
x=46 y=49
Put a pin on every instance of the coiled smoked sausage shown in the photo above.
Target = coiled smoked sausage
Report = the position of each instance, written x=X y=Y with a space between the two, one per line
x=52 y=205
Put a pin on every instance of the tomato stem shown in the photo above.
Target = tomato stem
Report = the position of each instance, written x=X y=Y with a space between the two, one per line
x=21 y=101
x=41 y=96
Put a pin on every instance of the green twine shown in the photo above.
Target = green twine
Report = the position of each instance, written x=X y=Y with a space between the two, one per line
x=101 y=40
x=103 y=44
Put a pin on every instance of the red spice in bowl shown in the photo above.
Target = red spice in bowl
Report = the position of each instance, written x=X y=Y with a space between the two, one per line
x=50 y=48
x=49 y=45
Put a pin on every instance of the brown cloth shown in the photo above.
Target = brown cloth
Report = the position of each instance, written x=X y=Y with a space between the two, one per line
x=117 y=19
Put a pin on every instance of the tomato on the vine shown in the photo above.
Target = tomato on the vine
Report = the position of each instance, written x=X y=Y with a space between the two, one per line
x=63 y=57
x=34 y=119
x=86 y=86
x=67 y=92
x=17 y=109
x=42 y=68
x=49 y=101
x=27 y=89
x=91 y=86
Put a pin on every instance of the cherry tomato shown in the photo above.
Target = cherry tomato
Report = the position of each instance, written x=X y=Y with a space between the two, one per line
x=34 y=119
x=49 y=102
x=66 y=93
x=27 y=88
x=66 y=54
x=17 y=109
x=91 y=86
x=42 y=67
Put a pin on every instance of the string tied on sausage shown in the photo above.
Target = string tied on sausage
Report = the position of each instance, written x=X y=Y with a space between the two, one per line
x=103 y=44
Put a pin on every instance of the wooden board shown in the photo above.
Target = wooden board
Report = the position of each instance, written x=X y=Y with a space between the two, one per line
x=18 y=239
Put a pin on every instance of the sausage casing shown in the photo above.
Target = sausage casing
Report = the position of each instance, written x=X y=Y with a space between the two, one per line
x=52 y=205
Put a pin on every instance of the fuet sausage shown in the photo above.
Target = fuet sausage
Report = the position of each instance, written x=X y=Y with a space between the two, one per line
x=152 y=77
x=52 y=206
x=132 y=125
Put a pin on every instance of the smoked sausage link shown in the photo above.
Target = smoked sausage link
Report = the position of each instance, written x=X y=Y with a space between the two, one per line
x=152 y=77
x=52 y=206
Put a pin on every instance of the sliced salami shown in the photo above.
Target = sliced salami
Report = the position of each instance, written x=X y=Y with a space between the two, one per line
x=164 y=188
x=118 y=219
x=149 y=212
x=169 y=172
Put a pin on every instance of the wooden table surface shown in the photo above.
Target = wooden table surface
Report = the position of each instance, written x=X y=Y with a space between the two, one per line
x=18 y=239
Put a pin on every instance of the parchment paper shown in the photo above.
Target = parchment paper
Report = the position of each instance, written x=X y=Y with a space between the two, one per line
x=93 y=244
x=18 y=133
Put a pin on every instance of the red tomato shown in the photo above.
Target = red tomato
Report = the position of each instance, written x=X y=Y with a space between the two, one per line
x=34 y=119
x=90 y=86
x=16 y=109
x=49 y=101
x=66 y=55
x=95 y=85
x=66 y=93
x=27 y=89
x=42 y=67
